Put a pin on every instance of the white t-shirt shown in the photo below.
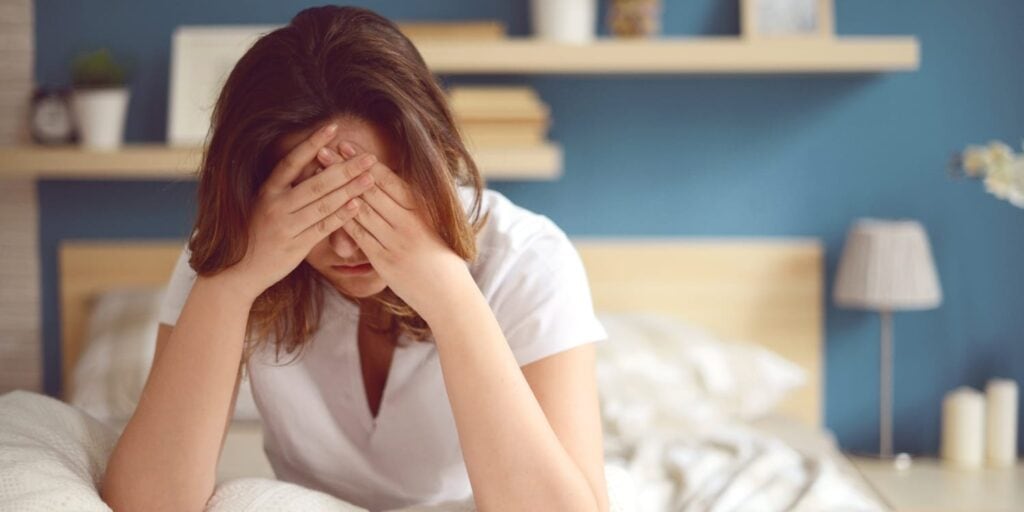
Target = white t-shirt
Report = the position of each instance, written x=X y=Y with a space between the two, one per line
x=318 y=428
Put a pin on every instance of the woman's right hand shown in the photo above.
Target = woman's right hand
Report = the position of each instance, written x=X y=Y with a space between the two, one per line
x=287 y=221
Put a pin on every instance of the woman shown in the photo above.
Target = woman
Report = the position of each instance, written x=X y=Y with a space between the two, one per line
x=410 y=336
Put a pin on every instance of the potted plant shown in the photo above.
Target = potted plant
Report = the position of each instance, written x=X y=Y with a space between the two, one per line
x=99 y=99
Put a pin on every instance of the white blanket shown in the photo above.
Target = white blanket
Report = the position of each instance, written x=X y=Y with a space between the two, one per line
x=675 y=401
x=734 y=467
x=53 y=455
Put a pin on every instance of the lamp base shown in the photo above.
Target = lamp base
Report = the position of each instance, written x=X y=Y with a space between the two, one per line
x=901 y=461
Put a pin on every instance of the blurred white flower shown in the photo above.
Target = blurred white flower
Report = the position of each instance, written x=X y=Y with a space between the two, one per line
x=1007 y=182
x=975 y=160
x=1001 y=169
x=999 y=154
x=1016 y=195
x=998 y=181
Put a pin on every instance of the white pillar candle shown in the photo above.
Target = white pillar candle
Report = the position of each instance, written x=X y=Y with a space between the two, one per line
x=1001 y=422
x=963 y=428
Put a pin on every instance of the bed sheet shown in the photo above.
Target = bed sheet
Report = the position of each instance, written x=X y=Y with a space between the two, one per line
x=813 y=472
x=815 y=443
x=765 y=465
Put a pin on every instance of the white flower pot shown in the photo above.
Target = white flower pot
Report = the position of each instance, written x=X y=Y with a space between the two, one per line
x=566 y=21
x=101 y=114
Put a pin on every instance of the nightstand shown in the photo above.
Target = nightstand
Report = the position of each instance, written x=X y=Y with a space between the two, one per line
x=929 y=486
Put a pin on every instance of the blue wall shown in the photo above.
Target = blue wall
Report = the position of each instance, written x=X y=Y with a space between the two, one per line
x=683 y=155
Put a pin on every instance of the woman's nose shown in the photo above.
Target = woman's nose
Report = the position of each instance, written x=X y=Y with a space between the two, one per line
x=343 y=244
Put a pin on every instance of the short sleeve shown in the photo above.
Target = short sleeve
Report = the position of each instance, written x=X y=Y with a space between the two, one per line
x=178 y=288
x=543 y=304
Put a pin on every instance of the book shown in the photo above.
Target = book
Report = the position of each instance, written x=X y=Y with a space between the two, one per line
x=477 y=29
x=497 y=103
x=504 y=133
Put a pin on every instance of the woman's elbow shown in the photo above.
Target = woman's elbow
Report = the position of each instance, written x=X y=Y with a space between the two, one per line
x=131 y=493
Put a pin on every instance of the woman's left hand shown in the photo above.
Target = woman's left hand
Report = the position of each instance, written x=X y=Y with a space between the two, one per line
x=395 y=232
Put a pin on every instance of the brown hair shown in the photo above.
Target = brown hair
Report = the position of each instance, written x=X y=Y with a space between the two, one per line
x=328 y=61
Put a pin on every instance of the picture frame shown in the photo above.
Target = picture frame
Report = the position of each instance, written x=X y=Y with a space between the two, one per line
x=201 y=59
x=787 y=19
x=202 y=56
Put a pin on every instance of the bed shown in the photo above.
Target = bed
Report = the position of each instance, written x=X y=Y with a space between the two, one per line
x=764 y=293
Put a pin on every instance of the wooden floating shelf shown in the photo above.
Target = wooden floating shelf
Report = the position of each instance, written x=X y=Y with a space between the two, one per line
x=711 y=55
x=158 y=161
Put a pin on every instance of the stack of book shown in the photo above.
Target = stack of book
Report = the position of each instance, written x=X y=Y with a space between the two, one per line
x=455 y=30
x=499 y=116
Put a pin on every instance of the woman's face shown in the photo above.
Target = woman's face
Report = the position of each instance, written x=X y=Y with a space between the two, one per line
x=337 y=257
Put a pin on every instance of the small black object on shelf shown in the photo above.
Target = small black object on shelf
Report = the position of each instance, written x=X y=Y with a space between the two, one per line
x=51 y=119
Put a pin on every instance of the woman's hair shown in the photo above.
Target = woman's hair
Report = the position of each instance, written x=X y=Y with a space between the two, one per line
x=328 y=61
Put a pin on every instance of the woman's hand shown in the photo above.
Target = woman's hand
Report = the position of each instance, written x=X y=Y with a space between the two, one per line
x=287 y=221
x=395 y=232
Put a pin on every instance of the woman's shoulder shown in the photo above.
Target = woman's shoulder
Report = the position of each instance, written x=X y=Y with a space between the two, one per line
x=534 y=280
x=516 y=241
x=512 y=229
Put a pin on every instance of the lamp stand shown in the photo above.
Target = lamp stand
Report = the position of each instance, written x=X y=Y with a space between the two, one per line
x=901 y=461
x=885 y=387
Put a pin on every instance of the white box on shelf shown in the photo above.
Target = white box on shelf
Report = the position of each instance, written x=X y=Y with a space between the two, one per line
x=201 y=59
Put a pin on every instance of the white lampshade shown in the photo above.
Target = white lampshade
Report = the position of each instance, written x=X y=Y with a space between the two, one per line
x=887 y=265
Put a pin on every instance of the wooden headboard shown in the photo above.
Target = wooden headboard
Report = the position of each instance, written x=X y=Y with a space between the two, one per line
x=90 y=267
x=767 y=291
x=760 y=290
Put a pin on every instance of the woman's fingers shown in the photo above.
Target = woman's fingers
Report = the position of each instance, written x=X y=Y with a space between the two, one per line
x=384 y=205
x=327 y=181
x=394 y=186
x=327 y=225
x=289 y=167
x=314 y=213
x=388 y=180
x=377 y=225
x=366 y=241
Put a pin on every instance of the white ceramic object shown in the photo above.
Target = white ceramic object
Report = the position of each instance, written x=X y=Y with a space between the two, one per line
x=1001 y=396
x=566 y=21
x=963 y=428
x=100 y=114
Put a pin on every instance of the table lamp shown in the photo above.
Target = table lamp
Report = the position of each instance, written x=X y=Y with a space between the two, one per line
x=886 y=266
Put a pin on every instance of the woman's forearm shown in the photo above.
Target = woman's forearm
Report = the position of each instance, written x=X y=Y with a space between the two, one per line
x=513 y=456
x=167 y=456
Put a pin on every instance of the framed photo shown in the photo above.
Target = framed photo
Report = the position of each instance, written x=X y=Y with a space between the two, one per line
x=201 y=59
x=787 y=19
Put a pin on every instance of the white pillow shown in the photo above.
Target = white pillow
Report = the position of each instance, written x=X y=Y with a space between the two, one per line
x=53 y=457
x=656 y=368
x=119 y=346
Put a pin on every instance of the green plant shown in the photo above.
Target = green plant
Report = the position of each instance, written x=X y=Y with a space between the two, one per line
x=97 y=69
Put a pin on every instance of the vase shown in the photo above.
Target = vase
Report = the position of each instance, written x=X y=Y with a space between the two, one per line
x=100 y=114
x=566 y=21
